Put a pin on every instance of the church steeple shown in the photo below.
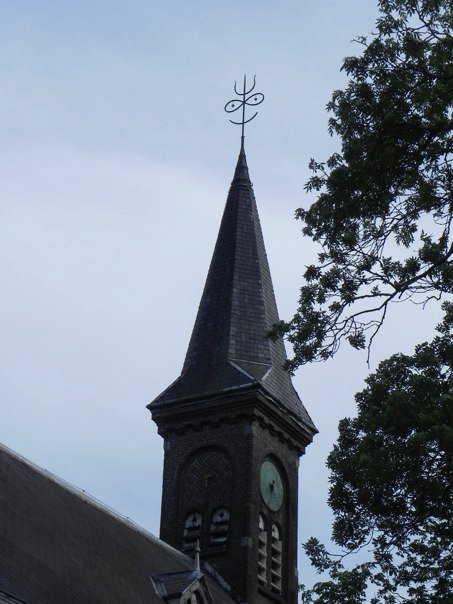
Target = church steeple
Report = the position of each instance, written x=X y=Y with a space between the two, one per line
x=229 y=348
x=233 y=425
x=234 y=428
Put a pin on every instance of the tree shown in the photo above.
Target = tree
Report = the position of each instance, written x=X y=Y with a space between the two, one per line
x=384 y=210
x=392 y=485
x=383 y=217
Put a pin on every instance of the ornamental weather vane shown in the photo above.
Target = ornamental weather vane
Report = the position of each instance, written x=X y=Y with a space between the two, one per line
x=249 y=98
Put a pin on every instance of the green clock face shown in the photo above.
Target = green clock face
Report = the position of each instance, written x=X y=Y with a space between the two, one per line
x=271 y=486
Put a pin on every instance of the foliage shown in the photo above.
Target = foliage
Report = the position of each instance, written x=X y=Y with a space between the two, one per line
x=384 y=209
x=392 y=485
x=383 y=217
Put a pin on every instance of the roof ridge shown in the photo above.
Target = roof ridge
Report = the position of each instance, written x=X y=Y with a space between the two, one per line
x=91 y=500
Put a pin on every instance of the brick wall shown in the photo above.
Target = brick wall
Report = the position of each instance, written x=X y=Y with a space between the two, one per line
x=236 y=439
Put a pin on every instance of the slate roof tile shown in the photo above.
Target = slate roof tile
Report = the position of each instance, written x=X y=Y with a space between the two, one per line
x=228 y=347
x=58 y=546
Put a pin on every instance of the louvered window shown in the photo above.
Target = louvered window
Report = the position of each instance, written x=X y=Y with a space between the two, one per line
x=262 y=550
x=192 y=530
x=219 y=527
x=276 y=560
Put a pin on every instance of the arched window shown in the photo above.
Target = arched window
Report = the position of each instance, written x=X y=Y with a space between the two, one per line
x=219 y=527
x=276 y=559
x=192 y=530
x=269 y=555
x=262 y=550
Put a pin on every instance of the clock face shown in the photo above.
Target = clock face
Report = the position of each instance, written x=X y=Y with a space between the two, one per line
x=271 y=486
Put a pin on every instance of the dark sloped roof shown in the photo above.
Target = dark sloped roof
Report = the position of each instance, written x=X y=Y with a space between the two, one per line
x=173 y=584
x=5 y=599
x=229 y=348
x=60 y=547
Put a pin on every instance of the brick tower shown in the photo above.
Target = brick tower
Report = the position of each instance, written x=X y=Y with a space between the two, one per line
x=234 y=428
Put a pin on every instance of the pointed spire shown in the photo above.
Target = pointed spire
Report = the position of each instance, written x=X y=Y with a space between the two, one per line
x=241 y=171
x=229 y=348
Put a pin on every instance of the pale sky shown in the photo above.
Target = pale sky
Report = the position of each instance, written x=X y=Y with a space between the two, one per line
x=115 y=162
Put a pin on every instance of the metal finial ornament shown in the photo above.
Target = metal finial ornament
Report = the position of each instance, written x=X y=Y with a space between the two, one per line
x=196 y=561
x=249 y=98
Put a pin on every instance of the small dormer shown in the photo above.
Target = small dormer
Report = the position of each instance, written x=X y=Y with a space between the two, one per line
x=188 y=587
